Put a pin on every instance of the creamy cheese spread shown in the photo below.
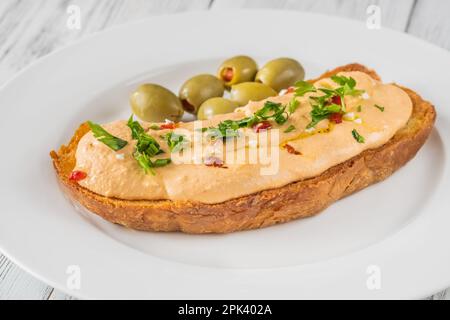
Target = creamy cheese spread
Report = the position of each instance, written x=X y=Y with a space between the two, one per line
x=118 y=175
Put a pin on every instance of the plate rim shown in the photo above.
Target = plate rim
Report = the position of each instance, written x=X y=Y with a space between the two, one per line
x=65 y=48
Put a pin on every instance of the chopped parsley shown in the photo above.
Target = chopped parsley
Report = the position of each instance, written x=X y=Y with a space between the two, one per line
x=379 y=108
x=106 y=138
x=136 y=128
x=289 y=129
x=357 y=136
x=270 y=111
x=293 y=105
x=175 y=141
x=303 y=87
x=321 y=112
x=148 y=164
x=146 y=148
x=332 y=100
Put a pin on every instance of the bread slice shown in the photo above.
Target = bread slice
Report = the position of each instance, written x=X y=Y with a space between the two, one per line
x=296 y=200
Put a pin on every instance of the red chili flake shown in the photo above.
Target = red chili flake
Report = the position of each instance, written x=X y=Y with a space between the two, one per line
x=336 y=100
x=227 y=74
x=336 y=117
x=261 y=126
x=290 y=90
x=77 y=175
x=292 y=150
x=214 y=162
x=168 y=125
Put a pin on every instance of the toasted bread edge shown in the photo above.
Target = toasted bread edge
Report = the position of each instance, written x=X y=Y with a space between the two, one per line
x=296 y=200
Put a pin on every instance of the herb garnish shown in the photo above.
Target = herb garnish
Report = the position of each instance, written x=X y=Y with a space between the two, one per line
x=175 y=141
x=379 y=107
x=357 y=136
x=136 y=128
x=147 y=164
x=332 y=100
x=321 y=112
x=105 y=137
x=270 y=111
x=303 y=87
x=289 y=129
x=293 y=105
x=359 y=109
x=146 y=148
x=347 y=86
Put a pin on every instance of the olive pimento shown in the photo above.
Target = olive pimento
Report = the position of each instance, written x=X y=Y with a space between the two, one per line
x=227 y=74
x=237 y=69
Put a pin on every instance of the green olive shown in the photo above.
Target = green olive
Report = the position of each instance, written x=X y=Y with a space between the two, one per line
x=214 y=106
x=281 y=73
x=198 y=89
x=242 y=93
x=154 y=103
x=237 y=70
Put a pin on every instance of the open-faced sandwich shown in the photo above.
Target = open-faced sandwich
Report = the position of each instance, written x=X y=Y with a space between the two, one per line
x=335 y=135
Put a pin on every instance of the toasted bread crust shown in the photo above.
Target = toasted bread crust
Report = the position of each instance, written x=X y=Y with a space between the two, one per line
x=296 y=200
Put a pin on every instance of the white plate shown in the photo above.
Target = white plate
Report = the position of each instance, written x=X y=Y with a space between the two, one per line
x=400 y=226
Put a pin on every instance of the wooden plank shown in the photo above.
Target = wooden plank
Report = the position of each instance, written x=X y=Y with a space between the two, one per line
x=443 y=295
x=394 y=14
x=32 y=29
x=430 y=20
x=17 y=284
x=58 y=295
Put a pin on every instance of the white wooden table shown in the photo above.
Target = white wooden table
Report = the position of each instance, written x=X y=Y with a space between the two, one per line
x=30 y=29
